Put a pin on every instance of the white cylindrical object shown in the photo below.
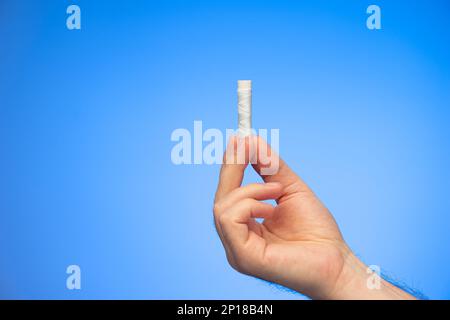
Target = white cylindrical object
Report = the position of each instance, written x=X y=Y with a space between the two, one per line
x=245 y=107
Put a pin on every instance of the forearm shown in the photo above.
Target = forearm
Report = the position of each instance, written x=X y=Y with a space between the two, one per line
x=354 y=283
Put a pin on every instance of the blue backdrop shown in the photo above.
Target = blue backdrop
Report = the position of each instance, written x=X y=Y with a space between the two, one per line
x=86 y=116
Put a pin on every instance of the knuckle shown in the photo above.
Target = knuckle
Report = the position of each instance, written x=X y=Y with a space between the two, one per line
x=242 y=264
x=231 y=261
x=224 y=219
x=249 y=202
x=254 y=186
x=217 y=209
x=234 y=265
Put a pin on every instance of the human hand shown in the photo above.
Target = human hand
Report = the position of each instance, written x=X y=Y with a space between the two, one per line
x=298 y=244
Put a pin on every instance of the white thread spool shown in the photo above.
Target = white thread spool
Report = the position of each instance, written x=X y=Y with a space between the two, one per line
x=245 y=107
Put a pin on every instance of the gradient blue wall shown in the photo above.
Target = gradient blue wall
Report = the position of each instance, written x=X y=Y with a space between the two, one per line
x=86 y=116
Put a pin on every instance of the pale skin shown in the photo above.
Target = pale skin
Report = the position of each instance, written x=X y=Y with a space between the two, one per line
x=298 y=244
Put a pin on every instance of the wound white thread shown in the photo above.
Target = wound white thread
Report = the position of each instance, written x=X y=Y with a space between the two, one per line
x=245 y=107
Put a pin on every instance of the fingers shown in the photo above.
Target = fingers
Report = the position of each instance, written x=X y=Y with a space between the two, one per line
x=234 y=221
x=236 y=206
x=235 y=224
x=233 y=167
x=265 y=161
x=257 y=191
x=231 y=175
x=272 y=168
x=252 y=191
x=226 y=200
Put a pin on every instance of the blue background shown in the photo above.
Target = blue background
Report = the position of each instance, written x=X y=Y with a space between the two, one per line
x=86 y=117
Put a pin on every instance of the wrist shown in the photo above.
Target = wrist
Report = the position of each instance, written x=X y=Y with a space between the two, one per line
x=357 y=281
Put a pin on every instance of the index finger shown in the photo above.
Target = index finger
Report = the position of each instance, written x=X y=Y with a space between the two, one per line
x=235 y=161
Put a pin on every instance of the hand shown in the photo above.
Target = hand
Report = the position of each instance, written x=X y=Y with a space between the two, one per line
x=298 y=244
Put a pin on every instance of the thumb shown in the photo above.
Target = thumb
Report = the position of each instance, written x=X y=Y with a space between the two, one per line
x=268 y=164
